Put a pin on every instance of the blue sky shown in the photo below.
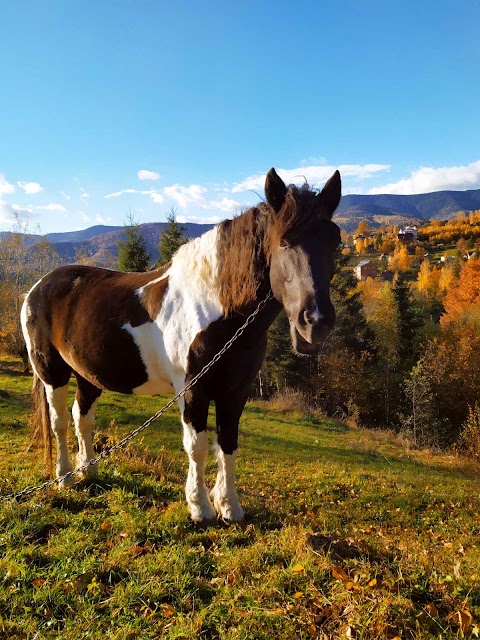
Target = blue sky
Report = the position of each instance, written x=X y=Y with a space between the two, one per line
x=134 y=104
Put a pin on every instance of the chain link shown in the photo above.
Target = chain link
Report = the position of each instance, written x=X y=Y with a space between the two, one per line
x=106 y=452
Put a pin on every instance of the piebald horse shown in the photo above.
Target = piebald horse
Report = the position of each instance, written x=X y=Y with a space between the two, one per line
x=150 y=333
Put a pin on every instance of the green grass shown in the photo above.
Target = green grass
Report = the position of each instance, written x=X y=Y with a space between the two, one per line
x=348 y=534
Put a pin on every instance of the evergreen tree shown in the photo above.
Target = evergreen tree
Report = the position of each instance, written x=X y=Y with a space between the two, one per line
x=173 y=236
x=132 y=252
x=283 y=368
x=411 y=319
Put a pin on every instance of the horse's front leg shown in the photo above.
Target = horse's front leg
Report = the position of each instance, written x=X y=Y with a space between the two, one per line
x=195 y=442
x=224 y=494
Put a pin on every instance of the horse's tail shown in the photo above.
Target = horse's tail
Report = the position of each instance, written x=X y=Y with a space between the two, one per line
x=41 y=427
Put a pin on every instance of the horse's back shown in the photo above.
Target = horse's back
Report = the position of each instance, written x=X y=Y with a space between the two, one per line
x=81 y=312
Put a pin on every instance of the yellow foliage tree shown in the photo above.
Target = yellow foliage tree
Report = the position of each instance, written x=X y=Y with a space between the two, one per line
x=401 y=260
x=447 y=277
x=428 y=281
x=360 y=246
x=462 y=301
x=363 y=228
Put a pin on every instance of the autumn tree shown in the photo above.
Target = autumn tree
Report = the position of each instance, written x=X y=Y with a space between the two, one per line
x=383 y=319
x=363 y=228
x=347 y=354
x=401 y=260
x=24 y=259
x=133 y=254
x=462 y=301
x=451 y=367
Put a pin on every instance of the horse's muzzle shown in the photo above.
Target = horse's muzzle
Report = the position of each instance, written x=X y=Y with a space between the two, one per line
x=308 y=339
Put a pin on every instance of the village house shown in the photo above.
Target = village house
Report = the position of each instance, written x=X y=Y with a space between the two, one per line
x=408 y=235
x=366 y=269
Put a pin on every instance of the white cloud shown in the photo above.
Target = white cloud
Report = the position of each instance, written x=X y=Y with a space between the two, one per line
x=53 y=206
x=101 y=220
x=187 y=196
x=199 y=219
x=226 y=204
x=30 y=188
x=316 y=175
x=65 y=195
x=428 y=179
x=8 y=211
x=84 y=216
x=5 y=187
x=144 y=174
x=85 y=194
x=116 y=194
x=7 y=214
x=157 y=197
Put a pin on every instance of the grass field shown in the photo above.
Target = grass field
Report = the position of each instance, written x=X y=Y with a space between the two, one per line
x=349 y=534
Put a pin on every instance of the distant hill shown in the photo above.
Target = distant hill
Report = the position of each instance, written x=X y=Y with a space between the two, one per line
x=101 y=241
x=398 y=209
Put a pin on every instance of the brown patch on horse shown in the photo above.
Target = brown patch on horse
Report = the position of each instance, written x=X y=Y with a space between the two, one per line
x=84 y=324
x=152 y=297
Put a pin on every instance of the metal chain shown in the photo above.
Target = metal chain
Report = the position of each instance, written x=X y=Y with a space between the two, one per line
x=106 y=452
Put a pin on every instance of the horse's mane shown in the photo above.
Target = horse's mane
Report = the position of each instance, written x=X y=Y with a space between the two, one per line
x=245 y=244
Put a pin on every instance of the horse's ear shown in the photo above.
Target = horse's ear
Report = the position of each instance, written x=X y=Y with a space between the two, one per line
x=275 y=190
x=330 y=195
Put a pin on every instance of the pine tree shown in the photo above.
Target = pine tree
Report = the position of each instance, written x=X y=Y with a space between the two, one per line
x=173 y=236
x=132 y=252
x=283 y=368
x=411 y=319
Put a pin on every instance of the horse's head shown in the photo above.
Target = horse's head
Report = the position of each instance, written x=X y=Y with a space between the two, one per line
x=302 y=245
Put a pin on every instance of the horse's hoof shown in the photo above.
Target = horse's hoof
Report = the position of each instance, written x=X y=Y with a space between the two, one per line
x=206 y=523
x=67 y=483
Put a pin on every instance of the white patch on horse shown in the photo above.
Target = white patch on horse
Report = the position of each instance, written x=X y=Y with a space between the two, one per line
x=196 y=446
x=140 y=291
x=316 y=316
x=224 y=494
x=25 y=313
x=60 y=418
x=84 y=429
x=190 y=303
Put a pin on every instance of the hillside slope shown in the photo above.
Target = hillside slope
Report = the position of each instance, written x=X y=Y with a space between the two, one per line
x=348 y=534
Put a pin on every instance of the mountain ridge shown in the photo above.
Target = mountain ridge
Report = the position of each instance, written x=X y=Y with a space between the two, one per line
x=377 y=210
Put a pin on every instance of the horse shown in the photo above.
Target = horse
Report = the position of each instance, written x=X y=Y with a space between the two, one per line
x=151 y=333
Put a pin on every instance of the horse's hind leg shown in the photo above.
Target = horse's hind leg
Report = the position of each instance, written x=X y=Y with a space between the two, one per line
x=54 y=373
x=59 y=420
x=83 y=413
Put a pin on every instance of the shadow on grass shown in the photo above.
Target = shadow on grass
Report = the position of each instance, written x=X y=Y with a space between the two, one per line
x=80 y=496
x=289 y=450
x=340 y=550
x=12 y=369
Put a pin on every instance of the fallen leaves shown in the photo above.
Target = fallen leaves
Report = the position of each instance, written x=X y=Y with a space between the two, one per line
x=462 y=619
x=38 y=582
x=167 y=610
x=298 y=568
